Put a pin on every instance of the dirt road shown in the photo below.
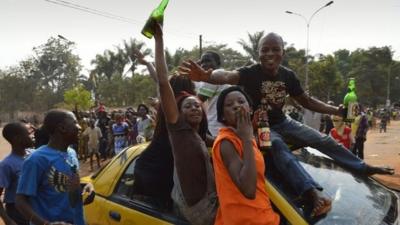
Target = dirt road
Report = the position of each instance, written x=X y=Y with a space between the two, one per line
x=384 y=149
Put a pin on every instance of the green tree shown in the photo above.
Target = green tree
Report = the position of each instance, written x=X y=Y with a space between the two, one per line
x=296 y=61
x=343 y=62
x=129 y=46
x=125 y=91
x=251 y=46
x=325 y=80
x=15 y=91
x=112 y=63
x=78 y=98
x=369 y=68
x=54 y=68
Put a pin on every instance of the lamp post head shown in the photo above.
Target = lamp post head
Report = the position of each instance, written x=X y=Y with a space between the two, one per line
x=62 y=37
x=329 y=3
x=288 y=12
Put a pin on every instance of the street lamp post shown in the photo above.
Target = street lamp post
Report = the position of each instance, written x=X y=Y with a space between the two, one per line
x=388 y=87
x=308 y=22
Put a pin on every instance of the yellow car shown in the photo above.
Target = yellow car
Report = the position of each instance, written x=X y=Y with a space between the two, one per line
x=356 y=200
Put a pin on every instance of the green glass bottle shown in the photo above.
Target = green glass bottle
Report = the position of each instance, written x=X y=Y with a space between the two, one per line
x=350 y=101
x=157 y=16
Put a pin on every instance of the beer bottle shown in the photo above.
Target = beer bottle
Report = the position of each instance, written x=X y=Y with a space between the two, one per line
x=263 y=131
x=350 y=102
x=156 y=16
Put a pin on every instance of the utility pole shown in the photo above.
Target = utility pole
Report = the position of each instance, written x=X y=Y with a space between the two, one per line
x=200 y=45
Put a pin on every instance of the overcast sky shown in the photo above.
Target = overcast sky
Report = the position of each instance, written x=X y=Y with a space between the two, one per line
x=346 y=24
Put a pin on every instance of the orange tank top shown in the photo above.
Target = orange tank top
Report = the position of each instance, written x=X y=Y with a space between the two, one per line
x=234 y=207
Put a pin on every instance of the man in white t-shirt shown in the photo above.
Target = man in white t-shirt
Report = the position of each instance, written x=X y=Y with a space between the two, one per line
x=94 y=135
x=211 y=60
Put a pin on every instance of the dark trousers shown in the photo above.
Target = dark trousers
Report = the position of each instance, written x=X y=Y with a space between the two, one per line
x=15 y=215
x=358 y=149
x=103 y=148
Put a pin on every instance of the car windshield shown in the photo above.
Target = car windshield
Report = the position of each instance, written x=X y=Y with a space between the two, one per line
x=356 y=199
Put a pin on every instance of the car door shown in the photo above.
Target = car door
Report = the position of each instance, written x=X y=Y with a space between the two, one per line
x=124 y=208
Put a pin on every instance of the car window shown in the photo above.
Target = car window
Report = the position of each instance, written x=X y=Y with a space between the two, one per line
x=125 y=184
x=124 y=195
x=356 y=200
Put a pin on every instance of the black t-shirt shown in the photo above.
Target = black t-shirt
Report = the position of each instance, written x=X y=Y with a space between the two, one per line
x=103 y=125
x=258 y=84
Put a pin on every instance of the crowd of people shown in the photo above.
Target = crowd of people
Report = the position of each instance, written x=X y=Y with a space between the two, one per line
x=175 y=171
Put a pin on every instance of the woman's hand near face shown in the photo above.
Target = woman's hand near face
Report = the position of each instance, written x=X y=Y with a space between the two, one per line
x=244 y=128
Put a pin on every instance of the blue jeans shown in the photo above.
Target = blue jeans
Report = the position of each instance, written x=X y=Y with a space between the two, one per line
x=304 y=135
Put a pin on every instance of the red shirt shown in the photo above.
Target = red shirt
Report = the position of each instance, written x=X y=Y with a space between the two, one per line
x=343 y=139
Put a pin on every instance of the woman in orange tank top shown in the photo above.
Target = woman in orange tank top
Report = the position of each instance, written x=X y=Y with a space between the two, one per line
x=239 y=165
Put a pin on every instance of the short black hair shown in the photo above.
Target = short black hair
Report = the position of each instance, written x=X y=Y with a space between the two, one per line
x=214 y=55
x=181 y=83
x=13 y=129
x=54 y=118
x=144 y=106
x=221 y=99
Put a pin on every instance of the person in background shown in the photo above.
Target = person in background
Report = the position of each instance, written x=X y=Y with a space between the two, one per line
x=211 y=60
x=120 y=131
x=83 y=140
x=18 y=136
x=93 y=135
x=103 y=123
x=327 y=121
x=359 y=130
x=144 y=124
x=132 y=122
x=341 y=132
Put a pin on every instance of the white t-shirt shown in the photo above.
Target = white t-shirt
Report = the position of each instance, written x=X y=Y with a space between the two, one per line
x=145 y=127
x=94 y=136
x=212 y=91
x=312 y=119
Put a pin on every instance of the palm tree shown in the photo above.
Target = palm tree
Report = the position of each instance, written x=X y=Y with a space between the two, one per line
x=112 y=63
x=251 y=47
x=129 y=46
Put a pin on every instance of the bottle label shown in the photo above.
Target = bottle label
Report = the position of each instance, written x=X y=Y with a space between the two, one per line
x=264 y=137
x=352 y=110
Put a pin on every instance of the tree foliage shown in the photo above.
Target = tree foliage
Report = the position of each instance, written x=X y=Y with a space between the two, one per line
x=38 y=83
x=52 y=74
x=78 y=98
x=251 y=46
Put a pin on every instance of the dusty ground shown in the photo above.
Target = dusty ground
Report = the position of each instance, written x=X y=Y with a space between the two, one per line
x=380 y=149
x=384 y=149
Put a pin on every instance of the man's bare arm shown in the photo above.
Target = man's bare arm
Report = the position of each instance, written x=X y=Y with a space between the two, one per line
x=7 y=220
x=196 y=73
x=316 y=105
